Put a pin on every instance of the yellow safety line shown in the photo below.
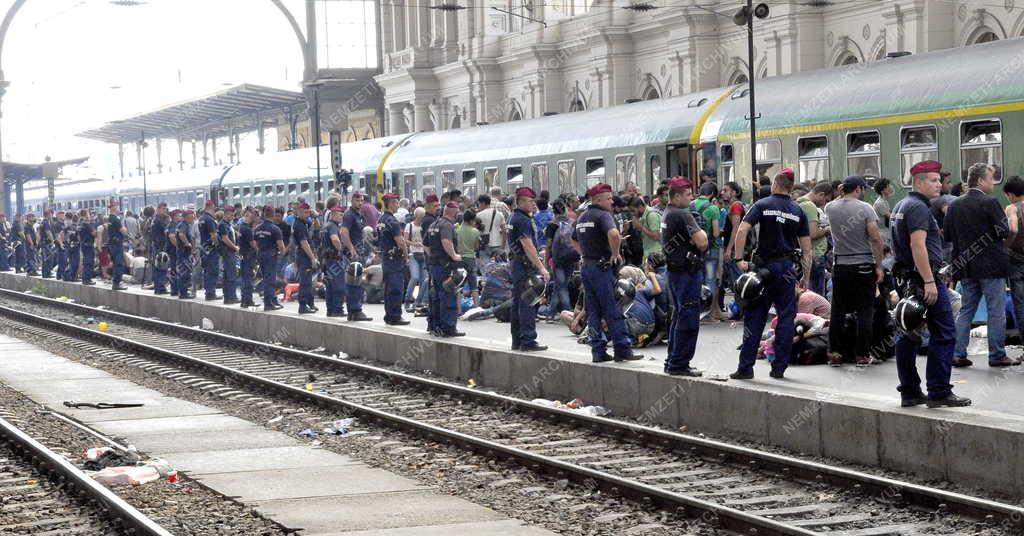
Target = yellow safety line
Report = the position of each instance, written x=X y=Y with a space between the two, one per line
x=699 y=127
x=953 y=113
x=384 y=160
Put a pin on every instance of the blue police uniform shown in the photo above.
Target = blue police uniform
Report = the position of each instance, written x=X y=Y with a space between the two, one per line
x=61 y=253
x=172 y=250
x=209 y=254
x=229 y=259
x=354 y=292
x=266 y=235
x=247 y=266
x=685 y=278
x=913 y=213
x=31 y=249
x=591 y=232
x=46 y=248
x=425 y=224
x=524 y=315
x=393 y=266
x=443 y=306
x=74 y=254
x=158 y=243
x=334 y=270
x=782 y=223
x=87 y=238
x=184 y=259
x=300 y=232
x=115 y=246
x=5 y=252
x=18 y=234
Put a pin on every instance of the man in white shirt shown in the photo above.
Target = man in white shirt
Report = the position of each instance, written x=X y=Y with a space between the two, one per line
x=493 y=228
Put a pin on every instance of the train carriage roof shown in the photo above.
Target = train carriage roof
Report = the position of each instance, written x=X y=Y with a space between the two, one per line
x=200 y=178
x=945 y=84
x=91 y=189
x=300 y=164
x=641 y=123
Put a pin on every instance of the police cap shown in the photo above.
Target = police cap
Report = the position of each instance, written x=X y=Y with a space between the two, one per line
x=926 y=166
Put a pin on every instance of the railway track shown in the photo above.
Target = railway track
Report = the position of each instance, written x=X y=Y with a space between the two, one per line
x=42 y=493
x=732 y=487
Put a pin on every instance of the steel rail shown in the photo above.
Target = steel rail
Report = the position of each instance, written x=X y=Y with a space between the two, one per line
x=791 y=467
x=57 y=468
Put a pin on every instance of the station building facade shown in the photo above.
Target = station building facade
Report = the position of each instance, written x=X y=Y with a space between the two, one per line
x=482 y=62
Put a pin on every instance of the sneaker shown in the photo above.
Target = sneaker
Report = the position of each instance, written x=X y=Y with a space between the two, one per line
x=961 y=362
x=835 y=360
x=742 y=375
x=914 y=401
x=1004 y=362
x=949 y=401
x=471 y=314
x=688 y=371
x=864 y=361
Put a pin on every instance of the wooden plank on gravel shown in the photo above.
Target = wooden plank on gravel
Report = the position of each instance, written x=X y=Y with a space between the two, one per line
x=795 y=510
x=833 y=520
x=887 y=530
x=764 y=500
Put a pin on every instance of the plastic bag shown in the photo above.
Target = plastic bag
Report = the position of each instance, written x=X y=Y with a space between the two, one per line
x=127 y=476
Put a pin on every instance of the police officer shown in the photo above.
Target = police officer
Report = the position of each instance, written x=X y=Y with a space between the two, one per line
x=305 y=259
x=522 y=243
x=46 y=244
x=443 y=244
x=172 y=249
x=334 y=264
x=783 y=229
x=73 y=245
x=270 y=245
x=228 y=250
x=61 y=256
x=210 y=253
x=917 y=247
x=18 y=236
x=352 y=238
x=429 y=217
x=247 y=250
x=5 y=244
x=87 y=239
x=31 y=245
x=683 y=242
x=393 y=251
x=598 y=240
x=115 y=246
x=183 y=251
x=158 y=244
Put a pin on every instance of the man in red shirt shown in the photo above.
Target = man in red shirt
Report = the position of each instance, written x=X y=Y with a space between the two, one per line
x=730 y=196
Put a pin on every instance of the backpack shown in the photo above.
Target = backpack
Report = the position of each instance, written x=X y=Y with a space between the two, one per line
x=697 y=209
x=561 y=245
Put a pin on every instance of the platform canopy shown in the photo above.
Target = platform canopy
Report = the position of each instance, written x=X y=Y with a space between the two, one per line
x=233 y=110
x=15 y=172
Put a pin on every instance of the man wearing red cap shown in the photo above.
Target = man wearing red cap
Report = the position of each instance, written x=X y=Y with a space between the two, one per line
x=597 y=237
x=917 y=246
x=683 y=243
x=227 y=242
x=270 y=246
x=443 y=244
x=393 y=249
x=46 y=244
x=5 y=244
x=87 y=238
x=305 y=259
x=18 y=238
x=172 y=249
x=31 y=245
x=185 y=247
x=334 y=264
x=209 y=254
x=72 y=248
x=429 y=217
x=352 y=239
x=524 y=262
x=57 y=229
x=114 y=235
x=783 y=242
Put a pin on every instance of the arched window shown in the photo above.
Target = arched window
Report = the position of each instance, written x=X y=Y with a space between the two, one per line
x=738 y=78
x=651 y=93
x=516 y=113
x=457 y=121
x=847 y=59
x=983 y=36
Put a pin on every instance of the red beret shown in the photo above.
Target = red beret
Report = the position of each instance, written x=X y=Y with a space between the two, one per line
x=431 y=198
x=303 y=206
x=339 y=210
x=788 y=172
x=268 y=207
x=679 y=183
x=926 y=166
x=356 y=195
x=526 y=191
x=176 y=212
x=389 y=196
x=18 y=214
x=162 y=205
x=189 y=213
x=60 y=212
x=452 y=204
x=599 y=188
x=229 y=208
x=211 y=203
x=31 y=214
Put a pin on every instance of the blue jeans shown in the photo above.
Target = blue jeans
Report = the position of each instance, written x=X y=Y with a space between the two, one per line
x=559 y=300
x=417 y=278
x=682 y=337
x=994 y=291
x=470 y=264
x=211 y=271
x=1017 y=292
x=780 y=291
x=524 y=315
x=818 y=280
x=941 y=338
x=599 y=293
x=711 y=268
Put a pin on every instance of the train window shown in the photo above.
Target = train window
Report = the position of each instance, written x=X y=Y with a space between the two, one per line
x=566 y=176
x=234 y=193
x=625 y=171
x=864 y=154
x=304 y=188
x=469 y=188
x=330 y=186
x=917 y=144
x=981 y=141
x=539 y=176
x=813 y=158
x=447 y=180
x=268 y=191
x=491 y=178
x=768 y=155
x=655 y=169
x=245 y=193
x=595 y=171
x=727 y=165
x=515 y=176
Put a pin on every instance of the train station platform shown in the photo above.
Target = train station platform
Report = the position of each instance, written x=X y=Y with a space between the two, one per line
x=850 y=414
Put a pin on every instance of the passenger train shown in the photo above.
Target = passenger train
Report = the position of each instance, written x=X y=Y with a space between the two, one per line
x=959 y=106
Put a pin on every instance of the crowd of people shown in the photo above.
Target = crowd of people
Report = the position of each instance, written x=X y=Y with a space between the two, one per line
x=840 y=280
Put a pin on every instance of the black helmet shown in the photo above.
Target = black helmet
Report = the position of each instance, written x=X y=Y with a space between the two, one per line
x=455 y=280
x=354 y=270
x=162 y=261
x=909 y=314
x=625 y=291
x=749 y=286
x=705 y=297
x=535 y=290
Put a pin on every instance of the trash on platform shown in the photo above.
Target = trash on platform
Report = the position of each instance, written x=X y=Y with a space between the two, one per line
x=102 y=307
x=90 y=320
x=319 y=350
x=103 y=457
x=279 y=418
x=102 y=326
x=309 y=433
x=340 y=427
x=127 y=476
x=471 y=383
x=575 y=405
x=207 y=324
x=309 y=387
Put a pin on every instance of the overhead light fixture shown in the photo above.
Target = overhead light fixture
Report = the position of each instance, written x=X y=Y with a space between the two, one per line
x=641 y=7
x=448 y=6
